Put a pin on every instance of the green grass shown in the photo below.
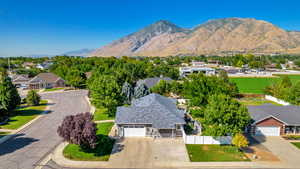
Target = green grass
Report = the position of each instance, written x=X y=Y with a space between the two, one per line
x=256 y=101
x=207 y=153
x=2 y=134
x=101 y=115
x=100 y=153
x=23 y=115
x=297 y=144
x=53 y=89
x=256 y=85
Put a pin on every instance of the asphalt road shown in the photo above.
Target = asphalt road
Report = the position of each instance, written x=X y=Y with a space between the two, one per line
x=32 y=144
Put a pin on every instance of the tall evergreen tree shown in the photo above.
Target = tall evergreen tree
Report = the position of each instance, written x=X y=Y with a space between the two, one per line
x=141 y=91
x=9 y=96
x=127 y=92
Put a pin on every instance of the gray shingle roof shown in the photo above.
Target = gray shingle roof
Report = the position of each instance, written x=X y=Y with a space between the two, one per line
x=153 y=109
x=150 y=82
x=45 y=77
x=290 y=115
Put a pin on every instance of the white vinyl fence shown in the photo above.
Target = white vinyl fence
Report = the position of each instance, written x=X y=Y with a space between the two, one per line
x=276 y=100
x=193 y=139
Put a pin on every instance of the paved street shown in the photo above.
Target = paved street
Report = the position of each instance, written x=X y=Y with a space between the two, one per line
x=33 y=143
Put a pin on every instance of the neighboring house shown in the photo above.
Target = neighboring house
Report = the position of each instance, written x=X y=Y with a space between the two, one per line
x=20 y=81
x=150 y=82
x=272 y=120
x=44 y=65
x=152 y=115
x=28 y=65
x=46 y=80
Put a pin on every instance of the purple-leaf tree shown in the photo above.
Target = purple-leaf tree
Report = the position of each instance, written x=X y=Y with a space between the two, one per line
x=79 y=129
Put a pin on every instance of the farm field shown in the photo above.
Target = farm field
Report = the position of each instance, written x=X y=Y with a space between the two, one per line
x=256 y=85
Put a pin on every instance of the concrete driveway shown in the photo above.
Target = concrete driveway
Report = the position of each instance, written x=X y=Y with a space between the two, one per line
x=31 y=144
x=145 y=152
x=284 y=150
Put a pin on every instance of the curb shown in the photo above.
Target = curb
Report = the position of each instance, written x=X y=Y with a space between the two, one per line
x=14 y=132
x=92 y=108
x=59 y=159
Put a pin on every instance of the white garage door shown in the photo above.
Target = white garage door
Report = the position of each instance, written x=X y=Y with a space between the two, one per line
x=267 y=131
x=134 y=132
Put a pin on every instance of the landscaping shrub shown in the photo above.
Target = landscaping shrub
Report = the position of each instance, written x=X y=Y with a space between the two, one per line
x=79 y=129
x=240 y=141
x=33 y=98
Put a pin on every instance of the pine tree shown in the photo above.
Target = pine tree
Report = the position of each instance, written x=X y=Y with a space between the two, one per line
x=127 y=92
x=141 y=91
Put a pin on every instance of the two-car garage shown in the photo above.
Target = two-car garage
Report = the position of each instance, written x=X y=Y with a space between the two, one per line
x=267 y=131
x=134 y=131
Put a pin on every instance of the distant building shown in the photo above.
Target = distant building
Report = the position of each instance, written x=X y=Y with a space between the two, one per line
x=44 y=65
x=46 y=80
x=150 y=82
x=184 y=71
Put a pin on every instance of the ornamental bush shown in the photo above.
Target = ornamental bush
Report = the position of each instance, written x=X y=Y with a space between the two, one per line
x=240 y=141
x=79 y=129
x=33 y=98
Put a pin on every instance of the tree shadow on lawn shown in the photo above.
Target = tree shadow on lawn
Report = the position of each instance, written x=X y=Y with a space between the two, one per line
x=15 y=143
x=104 y=146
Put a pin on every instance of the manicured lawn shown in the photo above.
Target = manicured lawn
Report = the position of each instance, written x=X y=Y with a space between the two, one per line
x=2 y=134
x=101 y=115
x=206 y=153
x=297 y=144
x=100 y=153
x=256 y=85
x=256 y=101
x=23 y=115
x=53 y=89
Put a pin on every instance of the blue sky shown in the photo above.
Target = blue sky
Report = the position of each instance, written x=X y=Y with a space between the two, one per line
x=58 y=26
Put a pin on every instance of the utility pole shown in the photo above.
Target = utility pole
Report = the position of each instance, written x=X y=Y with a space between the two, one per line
x=9 y=65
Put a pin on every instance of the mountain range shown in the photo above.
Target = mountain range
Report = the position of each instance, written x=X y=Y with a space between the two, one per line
x=218 y=36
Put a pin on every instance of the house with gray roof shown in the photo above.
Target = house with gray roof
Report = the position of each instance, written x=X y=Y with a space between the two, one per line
x=46 y=80
x=150 y=82
x=152 y=115
x=273 y=120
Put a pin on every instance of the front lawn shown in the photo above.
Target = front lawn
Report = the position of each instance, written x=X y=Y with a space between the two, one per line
x=100 y=153
x=53 y=89
x=23 y=115
x=101 y=115
x=297 y=144
x=207 y=153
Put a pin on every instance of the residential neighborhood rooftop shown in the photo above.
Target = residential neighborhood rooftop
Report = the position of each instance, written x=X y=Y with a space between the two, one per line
x=150 y=82
x=290 y=115
x=160 y=111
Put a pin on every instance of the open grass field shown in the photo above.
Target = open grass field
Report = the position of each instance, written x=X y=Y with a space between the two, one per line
x=23 y=115
x=209 y=153
x=256 y=101
x=256 y=85
x=100 y=153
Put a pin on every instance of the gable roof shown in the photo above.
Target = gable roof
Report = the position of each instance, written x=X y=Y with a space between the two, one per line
x=150 y=82
x=154 y=109
x=45 y=77
x=290 y=115
x=20 y=78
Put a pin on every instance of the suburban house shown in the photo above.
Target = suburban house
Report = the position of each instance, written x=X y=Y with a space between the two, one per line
x=152 y=115
x=150 y=82
x=20 y=81
x=46 y=80
x=272 y=120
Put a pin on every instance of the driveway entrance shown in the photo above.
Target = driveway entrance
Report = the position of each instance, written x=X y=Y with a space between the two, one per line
x=288 y=154
x=145 y=152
